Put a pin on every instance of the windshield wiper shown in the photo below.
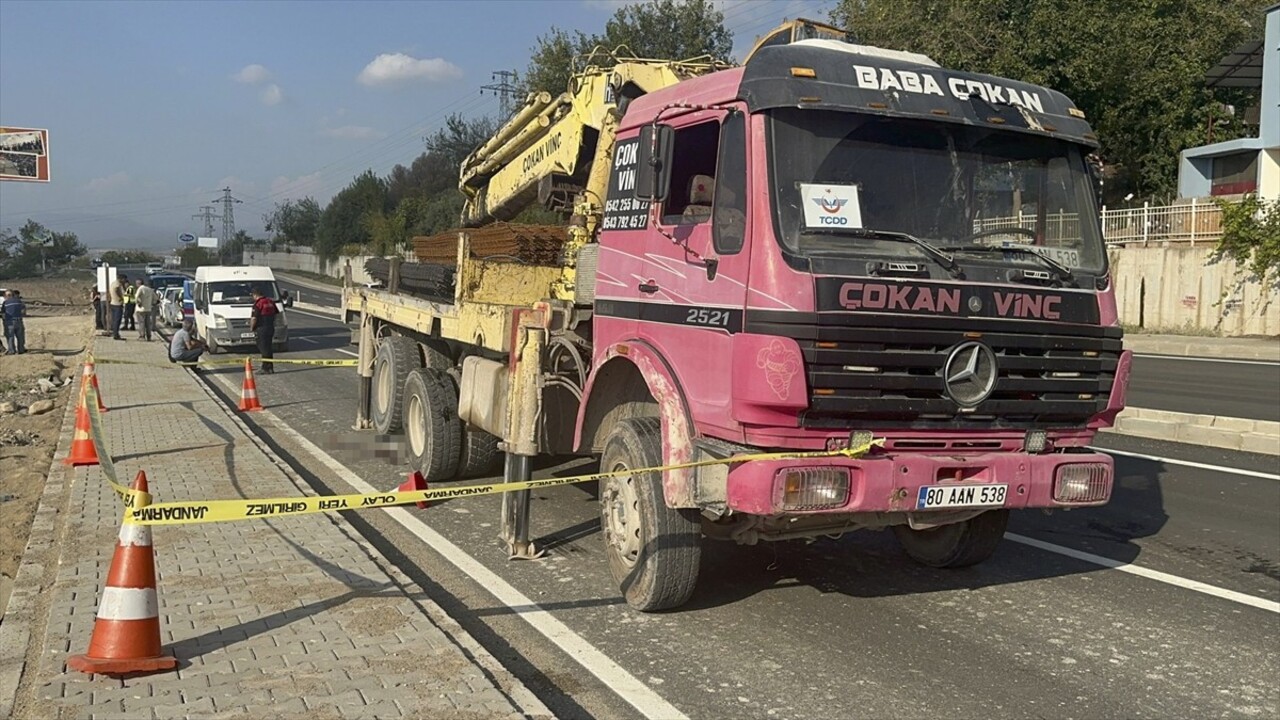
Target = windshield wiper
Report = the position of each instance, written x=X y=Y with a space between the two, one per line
x=943 y=259
x=1063 y=271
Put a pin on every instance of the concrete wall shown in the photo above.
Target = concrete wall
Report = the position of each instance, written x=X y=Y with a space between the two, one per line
x=306 y=261
x=1176 y=289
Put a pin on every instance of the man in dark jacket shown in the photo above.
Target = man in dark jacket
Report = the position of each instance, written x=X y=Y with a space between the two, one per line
x=263 y=324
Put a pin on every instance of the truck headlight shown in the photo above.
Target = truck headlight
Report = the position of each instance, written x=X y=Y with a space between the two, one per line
x=1082 y=483
x=219 y=322
x=816 y=488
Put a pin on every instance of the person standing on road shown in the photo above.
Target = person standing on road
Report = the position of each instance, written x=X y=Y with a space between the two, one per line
x=145 y=299
x=15 y=332
x=263 y=324
x=184 y=346
x=117 y=304
x=129 y=306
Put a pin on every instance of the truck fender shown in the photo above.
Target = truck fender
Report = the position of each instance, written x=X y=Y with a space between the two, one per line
x=634 y=380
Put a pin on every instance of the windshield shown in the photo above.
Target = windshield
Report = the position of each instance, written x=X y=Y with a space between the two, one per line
x=953 y=185
x=238 y=291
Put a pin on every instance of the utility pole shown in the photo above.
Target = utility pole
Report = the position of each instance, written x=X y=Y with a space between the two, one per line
x=504 y=86
x=228 y=219
x=206 y=214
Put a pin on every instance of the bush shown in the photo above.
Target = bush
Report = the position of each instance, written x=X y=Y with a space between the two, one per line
x=1251 y=236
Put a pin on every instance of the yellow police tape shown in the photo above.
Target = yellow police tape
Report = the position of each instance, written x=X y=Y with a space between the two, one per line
x=203 y=511
x=132 y=498
x=240 y=361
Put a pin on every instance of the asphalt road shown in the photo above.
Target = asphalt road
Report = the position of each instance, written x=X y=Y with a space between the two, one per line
x=307 y=294
x=1190 y=385
x=849 y=627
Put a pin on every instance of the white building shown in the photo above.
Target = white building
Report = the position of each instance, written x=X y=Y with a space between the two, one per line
x=1246 y=165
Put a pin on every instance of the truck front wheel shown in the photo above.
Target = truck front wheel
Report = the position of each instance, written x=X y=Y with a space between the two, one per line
x=653 y=550
x=957 y=545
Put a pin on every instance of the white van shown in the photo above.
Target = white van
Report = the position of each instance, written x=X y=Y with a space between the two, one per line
x=224 y=305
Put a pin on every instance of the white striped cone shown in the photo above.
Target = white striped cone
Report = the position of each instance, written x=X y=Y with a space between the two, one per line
x=126 y=635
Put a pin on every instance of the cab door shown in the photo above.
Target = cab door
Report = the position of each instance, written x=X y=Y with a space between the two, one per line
x=693 y=264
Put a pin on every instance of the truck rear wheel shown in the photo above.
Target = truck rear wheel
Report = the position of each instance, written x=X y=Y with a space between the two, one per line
x=479 y=452
x=433 y=430
x=653 y=550
x=957 y=545
x=395 y=359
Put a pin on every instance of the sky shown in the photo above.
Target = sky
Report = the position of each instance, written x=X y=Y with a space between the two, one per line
x=153 y=107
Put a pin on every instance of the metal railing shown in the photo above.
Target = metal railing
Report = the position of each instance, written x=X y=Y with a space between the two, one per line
x=1198 y=220
x=1195 y=221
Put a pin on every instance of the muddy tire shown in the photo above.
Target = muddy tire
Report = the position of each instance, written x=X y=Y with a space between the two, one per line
x=435 y=356
x=957 y=545
x=653 y=550
x=432 y=429
x=395 y=358
x=480 y=454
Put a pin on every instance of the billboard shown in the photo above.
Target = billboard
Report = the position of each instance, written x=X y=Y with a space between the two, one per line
x=207 y=242
x=24 y=154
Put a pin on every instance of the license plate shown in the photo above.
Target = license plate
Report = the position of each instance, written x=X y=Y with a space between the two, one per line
x=951 y=496
x=248 y=335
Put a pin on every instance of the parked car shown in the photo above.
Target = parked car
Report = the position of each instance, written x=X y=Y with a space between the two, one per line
x=153 y=268
x=171 y=306
x=162 y=281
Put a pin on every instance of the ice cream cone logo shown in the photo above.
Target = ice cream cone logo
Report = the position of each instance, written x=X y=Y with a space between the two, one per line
x=780 y=365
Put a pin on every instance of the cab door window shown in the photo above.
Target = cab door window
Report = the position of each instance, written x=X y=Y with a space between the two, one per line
x=693 y=168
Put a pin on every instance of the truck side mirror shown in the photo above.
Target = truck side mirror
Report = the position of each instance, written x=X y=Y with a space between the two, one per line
x=653 y=171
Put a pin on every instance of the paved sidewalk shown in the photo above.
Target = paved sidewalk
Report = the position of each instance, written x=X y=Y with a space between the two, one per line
x=294 y=617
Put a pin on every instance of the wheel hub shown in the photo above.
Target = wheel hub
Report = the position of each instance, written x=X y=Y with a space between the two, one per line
x=621 y=514
x=415 y=426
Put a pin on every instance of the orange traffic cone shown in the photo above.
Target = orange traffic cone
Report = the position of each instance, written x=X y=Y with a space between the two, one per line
x=90 y=376
x=83 y=451
x=126 y=635
x=415 y=482
x=249 y=391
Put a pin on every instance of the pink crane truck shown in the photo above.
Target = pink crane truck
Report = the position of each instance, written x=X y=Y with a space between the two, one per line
x=829 y=241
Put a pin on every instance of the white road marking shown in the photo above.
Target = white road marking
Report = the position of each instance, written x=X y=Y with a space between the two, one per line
x=310 y=340
x=348 y=352
x=1190 y=463
x=1205 y=359
x=612 y=675
x=1194 y=585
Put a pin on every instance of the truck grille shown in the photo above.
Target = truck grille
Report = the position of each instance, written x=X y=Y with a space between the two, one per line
x=879 y=371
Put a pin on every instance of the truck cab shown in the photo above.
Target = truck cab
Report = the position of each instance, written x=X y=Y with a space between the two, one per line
x=836 y=239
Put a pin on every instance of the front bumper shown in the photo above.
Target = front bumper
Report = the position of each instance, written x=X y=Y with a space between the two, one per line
x=233 y=338
x=891 y=483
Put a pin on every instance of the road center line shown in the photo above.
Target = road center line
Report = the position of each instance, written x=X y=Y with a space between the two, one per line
x=330 y=318
x=612 y=675
x=1194 y=585
x=1207 y=359
x=1190 y=463
x=310 y=340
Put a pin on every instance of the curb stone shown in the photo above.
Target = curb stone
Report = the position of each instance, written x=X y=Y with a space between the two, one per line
x=1228 y=433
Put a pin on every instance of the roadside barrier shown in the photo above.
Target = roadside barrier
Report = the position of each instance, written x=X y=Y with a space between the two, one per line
x=325 y=362
x=126 y=633
x=249 y=390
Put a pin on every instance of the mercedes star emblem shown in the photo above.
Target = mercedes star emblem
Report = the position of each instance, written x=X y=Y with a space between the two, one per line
x=970 y=373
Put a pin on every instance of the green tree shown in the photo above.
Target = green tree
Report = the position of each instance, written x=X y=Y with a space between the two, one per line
x=193 y=257
x=1251 y=237
x=129 y=257
x=1135 y=68
x=294 y=222
x=665 y=29
x=35 y=250
x=343 y=220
